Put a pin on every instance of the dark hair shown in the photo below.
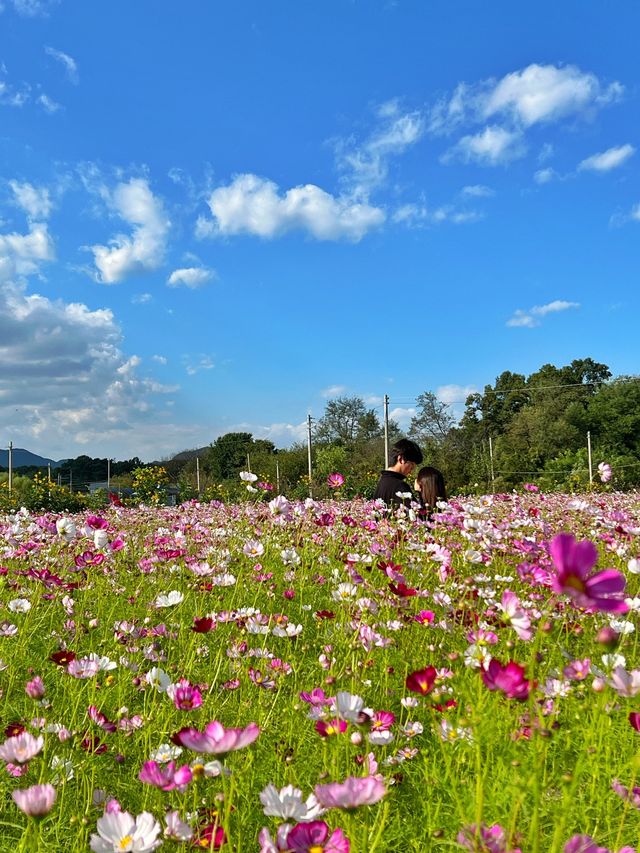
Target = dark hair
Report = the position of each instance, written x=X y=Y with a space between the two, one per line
x=409 y=451
x=431 y=486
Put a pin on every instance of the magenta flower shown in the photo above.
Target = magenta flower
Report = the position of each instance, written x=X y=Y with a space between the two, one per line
x=334 y=481
x=166 y=777
x=185 y=696
x=21 y=748
x=333 y=727
x=35 y=801
x=586 y=844
x=422 y=680
x=215 y=739
x=493 y=839
x=382 y=721
x=313 y=837
x=508 y=678
x=630 y=795
x=99 y=719
x=634 y=720
x=353 y=792
x=573 y=561
x=577 y=670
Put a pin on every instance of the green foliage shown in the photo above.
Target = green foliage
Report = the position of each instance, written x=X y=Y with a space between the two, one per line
x=149 y=485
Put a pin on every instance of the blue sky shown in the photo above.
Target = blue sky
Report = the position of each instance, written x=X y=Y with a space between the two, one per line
x=216 y=216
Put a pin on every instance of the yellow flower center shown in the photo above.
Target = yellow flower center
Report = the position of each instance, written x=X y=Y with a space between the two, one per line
x=125 y=842
x=197 y=770
x=575 y=583
x=316 y=849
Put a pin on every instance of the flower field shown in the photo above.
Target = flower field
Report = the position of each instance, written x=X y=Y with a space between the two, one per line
x=323 y=677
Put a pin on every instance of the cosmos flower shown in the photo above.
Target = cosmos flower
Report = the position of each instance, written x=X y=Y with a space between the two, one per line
x=287 y=803
x=354 y=792
x=35 y=801
x=21 y=748
x=118 y=831
x=573 y=561
x=216 y=740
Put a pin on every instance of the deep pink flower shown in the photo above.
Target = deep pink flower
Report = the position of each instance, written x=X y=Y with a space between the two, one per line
x=425 y=617
x=313 y=837
x=586 y=844
x=334 y=481
x=382 y=721
x=35 y=801
x=333 y=727
x=99 y=719
x=353 y=792
x=573 y=561
x=492 y=838
x=185 y=696
x=634 y=719
x=166 y=777
x=215 y=739
x=422 y=680
x=509 y=679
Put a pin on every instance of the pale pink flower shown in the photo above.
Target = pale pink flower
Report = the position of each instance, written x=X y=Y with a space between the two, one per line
x=35 y=688
x=353 y=792
x=515 y=615
x=35 y=801
x=216 y=740
x=21 y=748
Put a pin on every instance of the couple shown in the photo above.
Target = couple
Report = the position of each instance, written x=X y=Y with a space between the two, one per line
x=429 y=484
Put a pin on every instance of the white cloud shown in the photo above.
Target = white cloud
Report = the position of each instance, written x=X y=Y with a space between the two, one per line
x=35 y=201
x=69 y=64
x=420 y=216
x=63 y=378
x=635 y=213
x=12 y=97
x=333 y=391
x=22 y=254
x=144 y=250
x=160 y=359
x=254 y=205
x=607 y=160
x=542 y=93
x=454 y=393
x=493 y=146
x=402 y=415
x=544 y=176
x=366 y=166
x=531 y=318
x=32 y=8
x=373 y=400
x=141 y=298
x=478 y=191
x=204 y=362
x=48 y=104
x=192 y=277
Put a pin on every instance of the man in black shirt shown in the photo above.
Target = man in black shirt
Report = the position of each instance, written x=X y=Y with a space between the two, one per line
x=405 y=455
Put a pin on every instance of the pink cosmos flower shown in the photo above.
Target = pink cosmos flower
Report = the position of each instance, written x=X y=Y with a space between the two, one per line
x=166 y=777
x=333 y=727
x=632 y=796
x=185 y=696
x=586 y=844
x=573 y=561
x=317 y=697
x=382 y=721
x=334 y=481
x=577 y=670
x=21 y=748
x=493 y=839
x=353 y=792
x=508 y=678
x=515 y=615
x=35 y=688
x=314 y=837
x=425 y=617
x=99 y=719
x=35 y=801
x=422 y=680
x=215 y=739
x=604 y=469
x=634 y=720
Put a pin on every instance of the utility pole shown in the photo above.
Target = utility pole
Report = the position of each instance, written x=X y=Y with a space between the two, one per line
x=248 y=464
x=491 y=463
x=49 y=471
x=309 y=453
x=10 y=465
x=386 y=430
x=277 y=476
x=198 y=474
x=589 y=452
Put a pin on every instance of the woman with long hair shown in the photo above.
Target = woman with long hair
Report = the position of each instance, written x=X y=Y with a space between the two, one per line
x=430 y=488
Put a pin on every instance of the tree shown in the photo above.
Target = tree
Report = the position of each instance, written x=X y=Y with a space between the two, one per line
x=227 y=456
x=433 y=420
x=347 y=422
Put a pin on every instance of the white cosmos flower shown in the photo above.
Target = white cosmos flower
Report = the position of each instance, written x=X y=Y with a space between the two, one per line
x=290 y=557
x=118 y=831
x=159 y=679
x=177 y=829
x=348 y=705
x=380 y=738
x=7 y=629
x=287 y=804
x=225 y=579
x=344 y=592
x=634 y=566
x=170 y=599
x=253 y=548
x=19 y=605
x=166 y=752
x=622 y=626
x=100 y=539
x=248 y=477
x=66 y=527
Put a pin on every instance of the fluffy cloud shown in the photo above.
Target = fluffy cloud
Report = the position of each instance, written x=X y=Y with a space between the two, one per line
x=63 y=377
x=454 y=393
x=48 y=104
x=607 y=160
x=254 y=205
x=145 y=248
x=492 y=146
x=402 y=415
x=531 y=318
x=333 y=391
x=544 y=176
x=366 y=166
x=68 y=63
x=192 y=277
x=35 y=201
x=421 y=216
x=478 y=191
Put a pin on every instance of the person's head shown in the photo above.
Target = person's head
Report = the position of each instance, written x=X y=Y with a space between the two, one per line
x=430 y=484
x=404 y=456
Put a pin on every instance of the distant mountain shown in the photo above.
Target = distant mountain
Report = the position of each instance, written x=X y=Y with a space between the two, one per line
x=186 y=455
x=25 y=457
